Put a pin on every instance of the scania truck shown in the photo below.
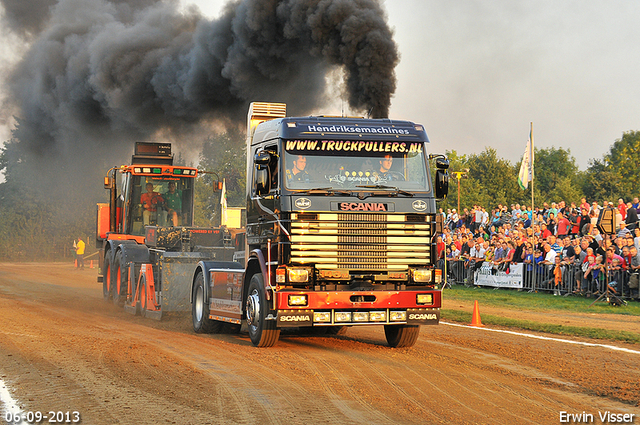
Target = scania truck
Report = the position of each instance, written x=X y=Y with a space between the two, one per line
x=341 y=227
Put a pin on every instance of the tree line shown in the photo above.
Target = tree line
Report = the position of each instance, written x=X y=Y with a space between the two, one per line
x=41 y=226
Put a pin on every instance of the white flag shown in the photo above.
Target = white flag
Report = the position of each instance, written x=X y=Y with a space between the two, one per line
x=526 y=168
x=223 y=202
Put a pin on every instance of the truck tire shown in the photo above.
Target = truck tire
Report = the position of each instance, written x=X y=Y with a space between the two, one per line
x=263 y=333
x=399 y=336
x=106 y=278
x=200 y=310
x=119 y=282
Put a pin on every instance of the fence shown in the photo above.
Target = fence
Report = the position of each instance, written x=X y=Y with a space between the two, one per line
x=540 y=278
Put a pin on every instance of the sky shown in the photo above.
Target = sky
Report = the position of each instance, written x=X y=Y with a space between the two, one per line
x=477 y=73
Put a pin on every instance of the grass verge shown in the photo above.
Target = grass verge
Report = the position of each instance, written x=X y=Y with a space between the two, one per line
x=515 y=300
x=595 y=333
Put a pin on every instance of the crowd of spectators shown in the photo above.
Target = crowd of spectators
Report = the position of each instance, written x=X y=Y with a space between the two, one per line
x=549 y=241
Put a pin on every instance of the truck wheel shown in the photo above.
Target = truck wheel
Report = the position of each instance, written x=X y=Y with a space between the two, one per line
x=401 y=335
x=200 y=310
x=106 y=278
x=263 y=333
x=119 y=282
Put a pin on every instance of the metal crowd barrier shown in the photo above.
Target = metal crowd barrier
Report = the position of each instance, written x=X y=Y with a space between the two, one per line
x=540 y=278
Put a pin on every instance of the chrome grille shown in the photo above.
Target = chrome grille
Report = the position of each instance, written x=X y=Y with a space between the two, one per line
x=362 y=241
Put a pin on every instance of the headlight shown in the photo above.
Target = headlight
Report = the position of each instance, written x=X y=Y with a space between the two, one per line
x=342 y=316
x=378 y=316
x=422 y=275
x=298 y=275
x=298 y=300
x=361 y=316
x=397 y=316
x=321 y=316
x=424 y=299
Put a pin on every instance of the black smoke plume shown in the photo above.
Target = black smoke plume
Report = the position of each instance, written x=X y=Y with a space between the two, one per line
x=99 y=74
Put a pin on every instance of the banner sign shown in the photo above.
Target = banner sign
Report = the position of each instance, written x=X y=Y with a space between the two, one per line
x=488 y=276
x=310 y=146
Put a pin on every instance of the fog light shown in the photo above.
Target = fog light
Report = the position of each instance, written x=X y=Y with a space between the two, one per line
x=299 y=300
x=321 y=316
x=424 y=299
x=378 y=316
x=361 y=316
x=342 y=316
x=422 y=275
x=298 y=275
x=397 y=316
x=281 y=275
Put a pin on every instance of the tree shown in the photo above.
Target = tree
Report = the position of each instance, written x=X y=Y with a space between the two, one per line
x=622 y=165
x=493 y=180
x=223 y=156
x=556 y=176
x=601 y=182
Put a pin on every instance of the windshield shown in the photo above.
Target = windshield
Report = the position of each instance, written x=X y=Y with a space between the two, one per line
x=313 y=164
x=160 y=201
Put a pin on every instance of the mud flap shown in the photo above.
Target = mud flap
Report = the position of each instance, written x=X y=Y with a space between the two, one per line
x=423 y=316
x=176 y=273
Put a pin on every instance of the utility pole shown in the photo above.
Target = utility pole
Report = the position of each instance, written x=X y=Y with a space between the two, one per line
x=459 y=175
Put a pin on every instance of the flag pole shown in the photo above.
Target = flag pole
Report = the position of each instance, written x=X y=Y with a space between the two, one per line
x=531 y=170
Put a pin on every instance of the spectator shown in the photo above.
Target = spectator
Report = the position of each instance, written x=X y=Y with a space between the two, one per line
x=622 y=209
x=631 y=220
x=564 y=225
x=584 y=205
x=552 y=222
x=557 y=275
x=552 y=240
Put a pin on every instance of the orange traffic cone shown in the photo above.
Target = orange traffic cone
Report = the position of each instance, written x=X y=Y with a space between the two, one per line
x=91 y=264
x=475 y=319
x=75 y=263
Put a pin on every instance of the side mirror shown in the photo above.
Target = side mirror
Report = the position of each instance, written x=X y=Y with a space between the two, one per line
x=442 y=183
x=442 y=164
x=262 y=180
x=262 y=159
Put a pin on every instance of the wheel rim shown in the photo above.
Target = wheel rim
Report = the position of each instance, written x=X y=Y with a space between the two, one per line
x=199 y=303
x=253 y=308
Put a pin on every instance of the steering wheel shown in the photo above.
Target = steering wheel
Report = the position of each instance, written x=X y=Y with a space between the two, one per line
x=395 y=176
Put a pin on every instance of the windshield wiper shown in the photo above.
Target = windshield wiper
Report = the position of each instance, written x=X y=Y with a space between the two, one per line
x=326 y=191
x=382 y=186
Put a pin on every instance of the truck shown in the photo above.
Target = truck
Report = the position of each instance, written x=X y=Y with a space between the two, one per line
x=340 y=231
x=147 y=243
x=341 y=228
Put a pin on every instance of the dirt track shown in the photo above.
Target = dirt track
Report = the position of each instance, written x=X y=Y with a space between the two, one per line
x=63 y=348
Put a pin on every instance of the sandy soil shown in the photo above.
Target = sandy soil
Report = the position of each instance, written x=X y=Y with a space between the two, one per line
x=62 y=348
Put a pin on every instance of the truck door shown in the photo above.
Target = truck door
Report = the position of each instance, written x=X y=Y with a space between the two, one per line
x=262 y=211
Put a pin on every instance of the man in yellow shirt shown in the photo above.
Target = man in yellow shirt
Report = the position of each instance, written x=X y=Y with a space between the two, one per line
x=80 y=254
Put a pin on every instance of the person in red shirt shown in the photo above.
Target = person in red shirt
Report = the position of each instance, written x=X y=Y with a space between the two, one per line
x=544 y=232
x=564 y=225
x=584 y=205
x=149 y=201
x=622 y=208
